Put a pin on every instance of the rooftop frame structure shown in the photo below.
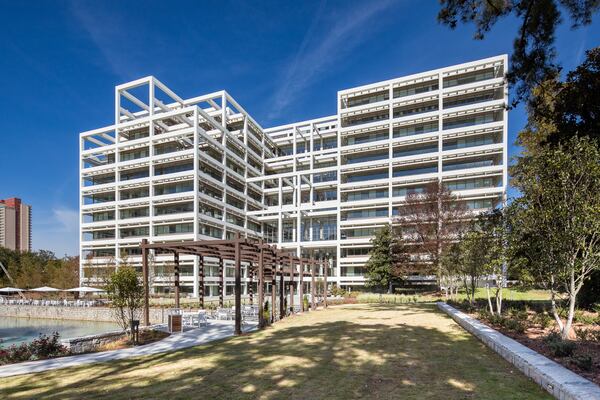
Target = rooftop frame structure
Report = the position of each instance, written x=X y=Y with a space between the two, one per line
x=264 y=260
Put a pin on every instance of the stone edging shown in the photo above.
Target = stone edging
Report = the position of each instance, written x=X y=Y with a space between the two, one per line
x=84 y=344
x=553 y=377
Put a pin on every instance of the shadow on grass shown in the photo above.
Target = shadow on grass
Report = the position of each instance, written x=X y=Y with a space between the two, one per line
x=336 y=359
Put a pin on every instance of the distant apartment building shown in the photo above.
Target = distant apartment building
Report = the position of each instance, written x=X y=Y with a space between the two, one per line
x=172 y=169
x=15 y=225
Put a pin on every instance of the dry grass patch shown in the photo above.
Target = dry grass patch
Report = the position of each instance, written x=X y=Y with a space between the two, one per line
x=346 y=352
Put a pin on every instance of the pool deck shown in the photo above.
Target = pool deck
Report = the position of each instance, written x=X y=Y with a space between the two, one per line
x=215 y=330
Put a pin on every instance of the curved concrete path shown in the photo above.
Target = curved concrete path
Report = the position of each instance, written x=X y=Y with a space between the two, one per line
x=215 y=330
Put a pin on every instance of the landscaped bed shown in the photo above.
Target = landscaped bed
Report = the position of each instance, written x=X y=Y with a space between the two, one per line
x=50 y=346
x=357 y=351
x=530 y=324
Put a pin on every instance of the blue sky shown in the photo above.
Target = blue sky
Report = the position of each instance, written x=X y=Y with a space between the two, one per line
x=283 y=61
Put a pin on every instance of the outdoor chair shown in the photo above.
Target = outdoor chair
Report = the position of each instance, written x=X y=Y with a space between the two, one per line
x=202 y=320
x=188 y=319
x=222 y=313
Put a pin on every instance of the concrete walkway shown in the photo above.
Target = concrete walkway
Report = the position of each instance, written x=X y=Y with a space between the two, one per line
x=215 y=330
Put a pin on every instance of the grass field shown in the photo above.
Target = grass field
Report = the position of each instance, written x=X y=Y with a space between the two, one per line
x=423 y=297
x=358 y=351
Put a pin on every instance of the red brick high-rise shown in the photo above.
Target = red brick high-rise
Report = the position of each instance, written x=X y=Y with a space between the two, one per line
x=15 y=224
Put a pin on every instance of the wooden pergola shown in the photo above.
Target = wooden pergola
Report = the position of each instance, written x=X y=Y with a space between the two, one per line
x=265 y=262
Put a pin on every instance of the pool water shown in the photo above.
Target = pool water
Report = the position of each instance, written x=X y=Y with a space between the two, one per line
x=15 y=330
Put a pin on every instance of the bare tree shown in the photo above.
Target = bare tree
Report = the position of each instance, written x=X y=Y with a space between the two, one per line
x=431 y=220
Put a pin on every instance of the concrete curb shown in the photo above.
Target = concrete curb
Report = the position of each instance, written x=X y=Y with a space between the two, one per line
x=553 y=377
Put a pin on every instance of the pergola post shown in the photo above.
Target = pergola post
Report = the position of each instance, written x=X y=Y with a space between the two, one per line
x=326 y=267
x=261 y=287
x=250 y=284
x=145 y=279
x=291 y=305
x=221 y=289
x=301 y=284
x=201 y=283
x=238 y=285
x=267 y=261
x=273 y=293
x=281 y=292
x=313 y=293
x=176 y=261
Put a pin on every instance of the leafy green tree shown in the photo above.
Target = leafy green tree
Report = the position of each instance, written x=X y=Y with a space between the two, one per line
x=534 y=57
x=126 y=294
x=473 y=257
x=559 y=110
x=379 y=268
x=40 y=268
x=451 y=270
x=555 y=224
x=492 y=242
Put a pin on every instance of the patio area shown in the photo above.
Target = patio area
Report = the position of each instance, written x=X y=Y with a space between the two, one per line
x=409 y=351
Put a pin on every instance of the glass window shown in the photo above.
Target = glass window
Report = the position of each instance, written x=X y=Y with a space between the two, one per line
x=417 y=129
x=173 y=229
x=416 y=89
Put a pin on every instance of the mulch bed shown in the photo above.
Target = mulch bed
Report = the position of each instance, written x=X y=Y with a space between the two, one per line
x=534 y=336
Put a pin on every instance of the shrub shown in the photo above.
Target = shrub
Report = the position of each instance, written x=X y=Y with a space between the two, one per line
x=582 y=334
x=558 y=346
x=543 y=319
x=594 y=335
x=584 y=362
x=267 y=313
x=385 y=298
x=585 y=318
x=337 y=291
x=514 y=324
x=41 y=348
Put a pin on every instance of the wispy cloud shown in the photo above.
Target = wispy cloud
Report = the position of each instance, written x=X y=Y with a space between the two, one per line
x=318 y=51
x=106 y=31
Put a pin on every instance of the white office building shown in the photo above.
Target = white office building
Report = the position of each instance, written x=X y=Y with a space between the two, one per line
x=172 y=169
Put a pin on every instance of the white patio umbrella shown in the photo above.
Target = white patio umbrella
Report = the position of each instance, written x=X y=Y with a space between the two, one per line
x=85 y=289
x=44 y=289
x=9 y=289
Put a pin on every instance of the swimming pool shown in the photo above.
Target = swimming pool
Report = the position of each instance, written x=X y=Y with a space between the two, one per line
x=14 y=330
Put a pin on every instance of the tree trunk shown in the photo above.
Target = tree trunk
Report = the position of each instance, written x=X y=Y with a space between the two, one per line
x=390 y=291
x=553 y=305
x=499 y=300
x=487 y=290
x=567 y=328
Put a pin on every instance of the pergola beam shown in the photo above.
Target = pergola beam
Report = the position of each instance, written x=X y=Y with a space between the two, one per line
x=263 y=261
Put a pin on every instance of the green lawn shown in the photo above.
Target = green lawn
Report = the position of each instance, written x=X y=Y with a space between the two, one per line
x=346 y=352
x=480 y=293
x=512 y=294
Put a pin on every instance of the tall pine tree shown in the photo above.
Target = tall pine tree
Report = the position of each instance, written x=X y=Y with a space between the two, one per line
x=380 y=267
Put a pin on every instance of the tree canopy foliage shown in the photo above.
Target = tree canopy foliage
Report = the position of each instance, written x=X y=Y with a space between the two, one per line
x=379 y=269
x=40 y=268
x=560 y=110
x=555 y=223
x=534 y=56
x=126 y=294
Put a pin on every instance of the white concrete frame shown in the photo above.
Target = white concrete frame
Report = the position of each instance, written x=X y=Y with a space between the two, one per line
x=273 y=176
